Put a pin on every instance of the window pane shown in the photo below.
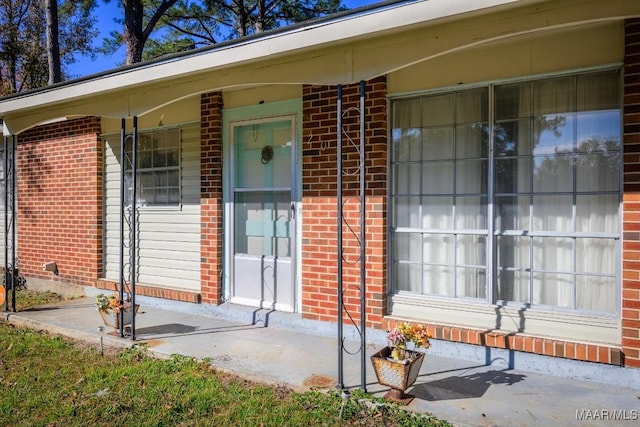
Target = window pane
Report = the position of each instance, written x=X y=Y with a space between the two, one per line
x=553 y=96
x=471 y=106
x=173 y=178
x=437 y=143
x=513 y=175
x=406 y=113
x=512 y=138
x=595 y=256
x=598 y=172
x=598 y=91
x=553 y=173
x=407 y=178
x=471 y=176
x=513 y=101
x=552 y=254
x=596 y=293
x=471 y=250
x=281 y=165
x=161 y=196
x=512 y=213
x=174 y=196
x=438 y=249
x=514 y=286
x=598 y=131
x=553 y=134
x=553 y=213
x=437 y=178
x=146 y=180
x=161 y=178
x=145 y=159
x=403 y=142
x=409 y=277
x=406 y=129
x=471 y=141
x=471 y=213
x=439 y=280
x=438 y=110
x=598 y=213
x=408 y=247
x=407 y=212
x=471 y=282
x=553 y=289
x=514 y=252
x=437 y=212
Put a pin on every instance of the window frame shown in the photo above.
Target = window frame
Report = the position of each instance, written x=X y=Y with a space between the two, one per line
x=141 y=203
x=491 y=298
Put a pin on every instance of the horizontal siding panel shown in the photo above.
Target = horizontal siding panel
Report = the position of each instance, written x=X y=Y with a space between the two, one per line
x=159 y=237
x=168 y=263
x=162 y=254
x=165 y=278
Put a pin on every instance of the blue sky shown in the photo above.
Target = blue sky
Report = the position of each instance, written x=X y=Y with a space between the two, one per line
x=106 y=24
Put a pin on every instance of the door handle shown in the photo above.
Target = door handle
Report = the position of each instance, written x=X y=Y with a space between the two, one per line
x=293 y=210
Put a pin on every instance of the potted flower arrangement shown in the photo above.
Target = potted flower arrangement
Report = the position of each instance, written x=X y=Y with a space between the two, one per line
x=109 y=307
x=398 y=364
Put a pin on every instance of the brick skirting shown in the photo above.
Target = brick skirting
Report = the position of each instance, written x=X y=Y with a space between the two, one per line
x=155 y=291
x=587 y=352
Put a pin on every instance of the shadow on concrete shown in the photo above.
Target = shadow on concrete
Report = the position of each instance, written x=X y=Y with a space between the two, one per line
x=464 y=387
x=179 y=329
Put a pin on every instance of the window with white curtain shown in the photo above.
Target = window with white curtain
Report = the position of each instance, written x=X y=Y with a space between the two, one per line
x=531 y=218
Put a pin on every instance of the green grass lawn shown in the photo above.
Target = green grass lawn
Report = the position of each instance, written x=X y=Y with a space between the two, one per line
x=49 y=380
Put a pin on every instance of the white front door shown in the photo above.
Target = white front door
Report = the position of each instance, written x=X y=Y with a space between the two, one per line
x=263 y=183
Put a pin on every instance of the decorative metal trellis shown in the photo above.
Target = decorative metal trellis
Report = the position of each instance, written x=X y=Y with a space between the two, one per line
x=128 y=220
x=358 y=170
x=10 y=279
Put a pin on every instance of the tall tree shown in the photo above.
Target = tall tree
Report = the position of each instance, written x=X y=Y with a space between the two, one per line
x=53 y=44
x=183 y=25
x=23 y=40
x=210 y=21
x=140 y=19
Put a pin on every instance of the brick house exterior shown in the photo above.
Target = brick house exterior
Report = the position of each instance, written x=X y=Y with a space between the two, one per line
x=61 y=213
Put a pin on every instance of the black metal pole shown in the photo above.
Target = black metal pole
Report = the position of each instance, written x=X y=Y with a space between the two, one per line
x=5 y=172
x=339 y=237
x=363 y=246
x=14 y=219
x=123 y=159
x=134 y=221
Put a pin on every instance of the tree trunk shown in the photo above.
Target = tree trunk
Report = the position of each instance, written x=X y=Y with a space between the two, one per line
x=133 y=14
x=53 y=45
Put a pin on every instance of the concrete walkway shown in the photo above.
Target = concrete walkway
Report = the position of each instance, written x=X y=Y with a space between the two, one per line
x=254 y=344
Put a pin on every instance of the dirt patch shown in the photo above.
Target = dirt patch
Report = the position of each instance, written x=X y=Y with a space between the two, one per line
x=320 y=381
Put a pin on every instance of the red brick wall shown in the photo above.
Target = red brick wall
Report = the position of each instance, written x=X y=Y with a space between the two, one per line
x=211 y=205
x=319 y=218
x=59 y=209
x=631 y=199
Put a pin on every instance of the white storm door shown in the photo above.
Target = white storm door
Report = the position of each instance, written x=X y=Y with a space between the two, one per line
x=263 y=214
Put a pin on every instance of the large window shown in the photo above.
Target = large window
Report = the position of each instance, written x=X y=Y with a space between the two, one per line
x=510 y=192
x=158 y=167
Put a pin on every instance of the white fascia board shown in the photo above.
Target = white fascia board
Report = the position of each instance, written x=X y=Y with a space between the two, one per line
x=323 y=34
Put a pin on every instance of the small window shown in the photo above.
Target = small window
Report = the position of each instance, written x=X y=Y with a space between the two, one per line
x=158 y=168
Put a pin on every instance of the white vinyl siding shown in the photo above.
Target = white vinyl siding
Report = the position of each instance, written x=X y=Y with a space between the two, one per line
x=168 y=237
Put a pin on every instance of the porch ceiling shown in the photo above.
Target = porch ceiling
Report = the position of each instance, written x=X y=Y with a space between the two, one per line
x=352 y=48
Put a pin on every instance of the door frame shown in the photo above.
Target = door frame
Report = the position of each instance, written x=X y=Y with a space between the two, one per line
x=284 y=110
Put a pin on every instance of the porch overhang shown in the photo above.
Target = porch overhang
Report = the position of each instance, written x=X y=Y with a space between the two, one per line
x=345 y=49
